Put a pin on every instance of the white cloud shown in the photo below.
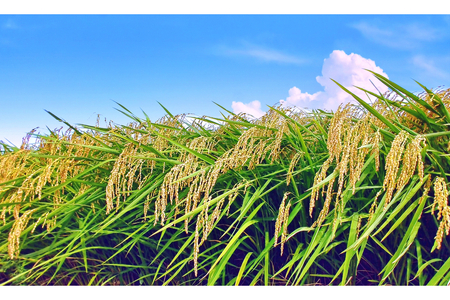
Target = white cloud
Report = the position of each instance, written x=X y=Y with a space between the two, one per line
x=349 y=71
x=297 y=98
x=428 y=65
x=400 y=36
x=253 y=108
x=258 y=52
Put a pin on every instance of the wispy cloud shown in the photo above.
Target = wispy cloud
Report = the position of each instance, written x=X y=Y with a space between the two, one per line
x=428 y=65
x=260 y=53
x=400 y=36
x=10 y=24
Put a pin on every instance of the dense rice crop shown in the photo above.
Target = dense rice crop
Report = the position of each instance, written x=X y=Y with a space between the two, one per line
x=355 y=197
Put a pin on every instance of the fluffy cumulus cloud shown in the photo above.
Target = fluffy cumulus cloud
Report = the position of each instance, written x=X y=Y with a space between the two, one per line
x=349 y=71
x=297 y=97
x=253 y=108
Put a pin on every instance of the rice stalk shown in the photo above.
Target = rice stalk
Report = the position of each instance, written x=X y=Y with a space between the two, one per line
x=190 y=200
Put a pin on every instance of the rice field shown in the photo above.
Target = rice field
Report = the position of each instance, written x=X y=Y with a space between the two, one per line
x=354 y=197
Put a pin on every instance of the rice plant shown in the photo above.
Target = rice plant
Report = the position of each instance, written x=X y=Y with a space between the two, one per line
x=354 y=197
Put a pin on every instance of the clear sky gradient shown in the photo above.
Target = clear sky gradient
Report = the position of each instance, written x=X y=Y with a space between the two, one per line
x=76 y=66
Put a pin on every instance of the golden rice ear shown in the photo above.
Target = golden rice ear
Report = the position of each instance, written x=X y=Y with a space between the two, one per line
x=14 y=235
x=326 y=206
x=205 y=223
x=376 y=140
x=350 y=134
x=441 y=199
x=316 y=190
x=280 y=218
x=335 y=147
x=293 y=163
x=373 y=207
x=285 y=226
x=196 y=241
x=118 y=182
x=358 y=227
x=393 y=160
x=411 y=158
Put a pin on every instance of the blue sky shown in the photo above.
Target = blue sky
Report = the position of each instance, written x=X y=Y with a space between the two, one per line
x=76 y=65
